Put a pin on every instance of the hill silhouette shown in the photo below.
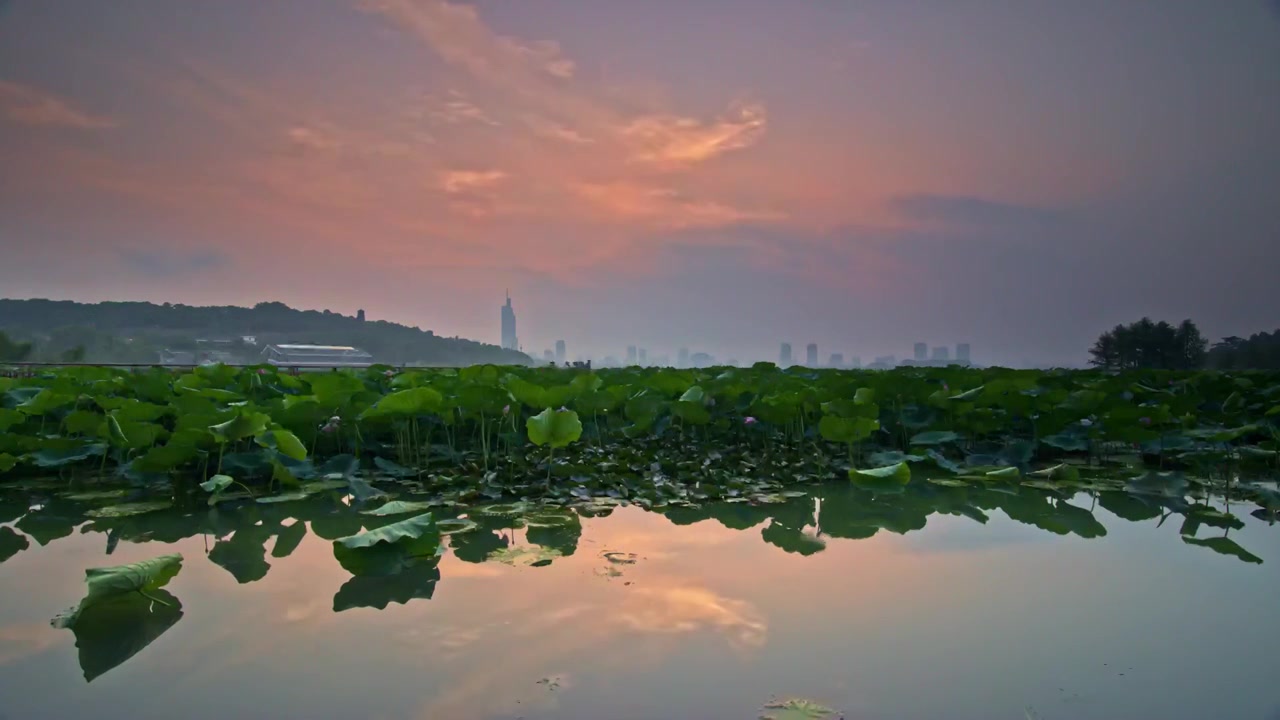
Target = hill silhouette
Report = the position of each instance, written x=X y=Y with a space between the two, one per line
x=136 y=332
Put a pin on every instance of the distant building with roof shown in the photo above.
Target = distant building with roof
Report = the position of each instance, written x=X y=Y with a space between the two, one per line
x=320 y=356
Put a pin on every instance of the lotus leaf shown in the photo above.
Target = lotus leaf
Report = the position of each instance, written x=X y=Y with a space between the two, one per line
x=109 y=582
x=554 y=428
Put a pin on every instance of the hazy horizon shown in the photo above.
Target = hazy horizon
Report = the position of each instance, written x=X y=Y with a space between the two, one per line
x=723 y=176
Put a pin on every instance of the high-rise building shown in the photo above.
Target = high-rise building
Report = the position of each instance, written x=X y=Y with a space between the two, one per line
x=921 y=353
x=962 y=353
x=811 y=354
x=836 y=360
x=784 y=355
x=360 y=316
x=682 y=358
x=509 y=340
x=548 y=356
x=643 y=356
x=560 y=351
x=941 y=354
x=855 y=362
x=631 y=355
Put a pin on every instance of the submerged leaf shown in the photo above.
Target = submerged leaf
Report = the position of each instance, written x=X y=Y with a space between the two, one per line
x=128 y=509
x=796 y=709
x=399 y=507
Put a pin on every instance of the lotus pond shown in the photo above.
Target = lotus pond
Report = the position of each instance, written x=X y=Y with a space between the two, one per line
x=737 y=543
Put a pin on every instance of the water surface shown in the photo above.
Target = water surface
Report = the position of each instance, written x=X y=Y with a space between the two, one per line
x=881 y=608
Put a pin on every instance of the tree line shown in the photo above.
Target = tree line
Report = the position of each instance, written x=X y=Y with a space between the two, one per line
x=1160 y=345
x=136 y=332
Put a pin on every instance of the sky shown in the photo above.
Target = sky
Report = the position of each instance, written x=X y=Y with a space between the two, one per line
x=722 y=175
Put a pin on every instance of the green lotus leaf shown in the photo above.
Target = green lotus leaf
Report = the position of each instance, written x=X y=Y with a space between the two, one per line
x=554 y=428
x=934 y=437
x=109 y=582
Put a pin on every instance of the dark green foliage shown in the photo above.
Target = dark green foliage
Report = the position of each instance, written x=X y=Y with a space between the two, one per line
x=12 y=351
x=1261 y=351
x=1147 y=344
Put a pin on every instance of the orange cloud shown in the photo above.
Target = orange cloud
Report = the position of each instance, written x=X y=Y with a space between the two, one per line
x=663 y=207
x=29 y=106
x=673 y=140
x=461 y=181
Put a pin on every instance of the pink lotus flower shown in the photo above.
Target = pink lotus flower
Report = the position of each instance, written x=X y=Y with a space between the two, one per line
x=506 y=409
x=332 y=425
x=748 y=420
x=262 y=371
x=390 y=373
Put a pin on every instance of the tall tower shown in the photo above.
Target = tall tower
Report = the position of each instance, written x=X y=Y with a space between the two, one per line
x=509 y=340
x=962 y=353
x=631 y=355
x=784 y=355
x=811 y=355
x=560 y=351
x=921 y=352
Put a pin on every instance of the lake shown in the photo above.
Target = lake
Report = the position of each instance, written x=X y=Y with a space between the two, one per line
x=963 y=604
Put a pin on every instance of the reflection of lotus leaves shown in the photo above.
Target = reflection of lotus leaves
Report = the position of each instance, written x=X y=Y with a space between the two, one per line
x=11 y=543
x=417 y=581
x=109 y=633
x=793 y=540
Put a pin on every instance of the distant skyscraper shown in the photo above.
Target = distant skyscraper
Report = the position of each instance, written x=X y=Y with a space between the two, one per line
x=962 y=353
x=643 y=356
x=784 y=355
x=509 y=340
x=837 y=360
x=941 y=354
x=811 y=354
x=682 y=358
x=855 y=362
x=548 y=356
x=359 y=316
x=631 y=355
x=921 y=352
x=559 y=351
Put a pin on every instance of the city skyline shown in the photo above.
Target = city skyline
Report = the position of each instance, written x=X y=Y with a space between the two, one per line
x=1021 y=177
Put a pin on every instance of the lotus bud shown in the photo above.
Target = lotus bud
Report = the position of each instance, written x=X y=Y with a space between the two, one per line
x=748 y=420
x=506 y=409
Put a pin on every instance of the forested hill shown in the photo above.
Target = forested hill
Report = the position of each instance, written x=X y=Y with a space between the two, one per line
x=136 y=331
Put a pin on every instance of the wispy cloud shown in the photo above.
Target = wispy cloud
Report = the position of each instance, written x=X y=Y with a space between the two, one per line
x=31 y=106
x=313 y=138
x=674 y=140
x=663 y=207
x=455 y=109
x=462 y=38
x=461 y=181
x=556 y=131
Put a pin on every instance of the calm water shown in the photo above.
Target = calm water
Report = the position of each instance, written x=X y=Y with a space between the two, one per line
x=721 y=609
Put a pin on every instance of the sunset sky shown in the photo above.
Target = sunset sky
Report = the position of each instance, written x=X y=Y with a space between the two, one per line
x=717 y=174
